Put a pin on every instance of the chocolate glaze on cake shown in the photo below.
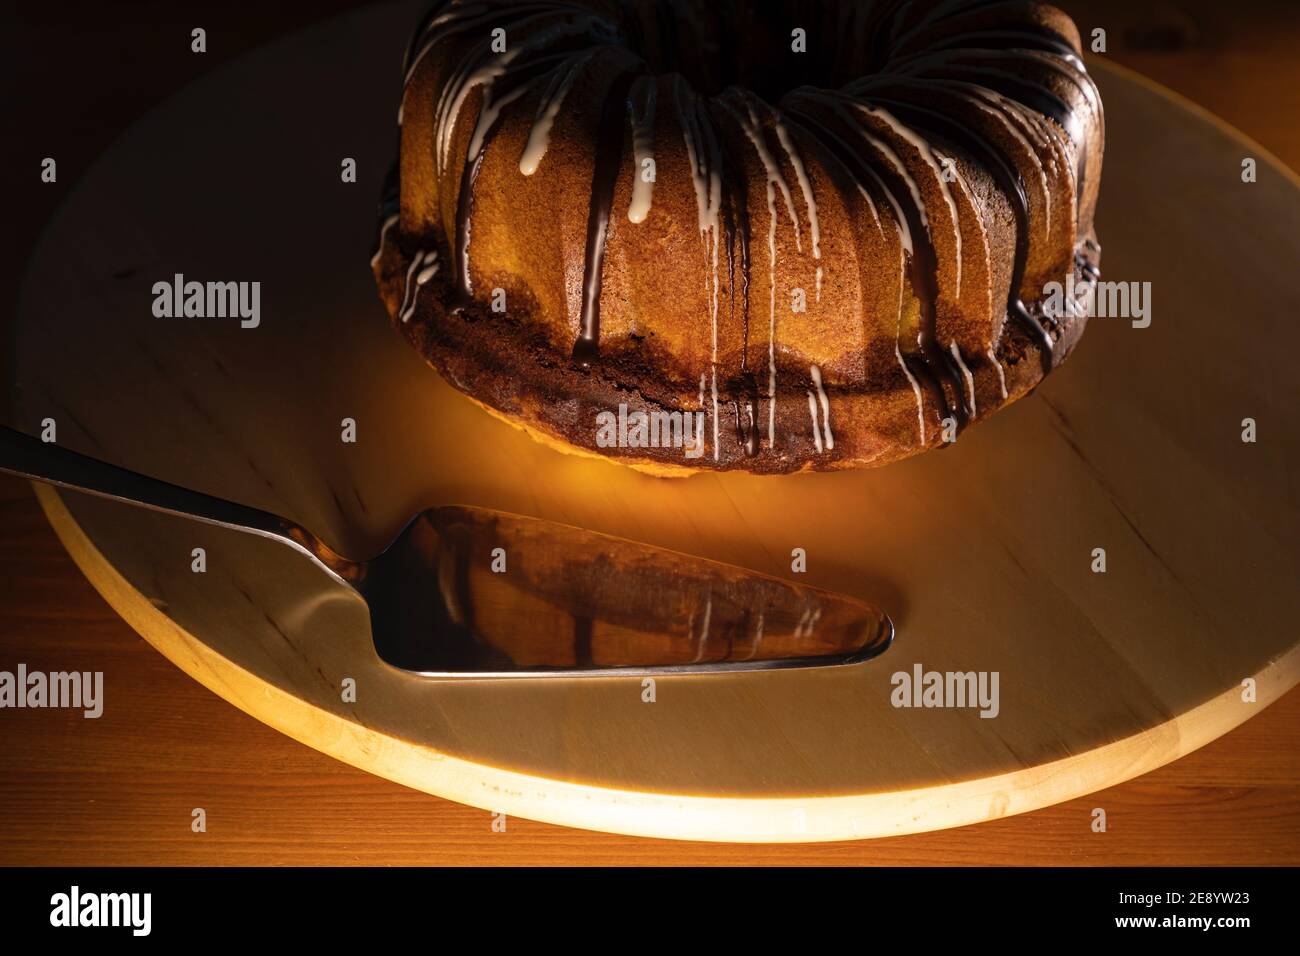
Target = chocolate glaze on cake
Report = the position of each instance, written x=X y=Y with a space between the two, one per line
x=834 y=255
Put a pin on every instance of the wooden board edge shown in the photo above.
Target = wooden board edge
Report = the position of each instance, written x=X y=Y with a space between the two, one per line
x=664 y=815
x=1258 y=149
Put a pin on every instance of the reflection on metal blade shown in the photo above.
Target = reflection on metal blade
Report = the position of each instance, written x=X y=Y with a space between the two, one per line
x=482 y=593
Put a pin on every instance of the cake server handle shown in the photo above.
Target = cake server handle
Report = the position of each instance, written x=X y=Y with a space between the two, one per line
x=27 y=457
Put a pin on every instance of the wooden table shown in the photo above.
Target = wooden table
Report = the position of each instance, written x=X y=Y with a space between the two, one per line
x=130 y=780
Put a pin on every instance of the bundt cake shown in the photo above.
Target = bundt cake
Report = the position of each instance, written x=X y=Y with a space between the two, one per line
x=729 y=235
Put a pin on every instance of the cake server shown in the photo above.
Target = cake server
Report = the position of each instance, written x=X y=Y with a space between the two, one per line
x=465 y=592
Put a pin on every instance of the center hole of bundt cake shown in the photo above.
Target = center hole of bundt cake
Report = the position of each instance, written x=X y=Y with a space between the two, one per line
x=762 y=56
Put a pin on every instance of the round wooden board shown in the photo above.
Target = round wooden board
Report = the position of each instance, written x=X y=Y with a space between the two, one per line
x=981 y=553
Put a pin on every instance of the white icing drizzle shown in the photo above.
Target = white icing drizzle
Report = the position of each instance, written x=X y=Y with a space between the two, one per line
x=1080 y=79
x=407 y=286
x=749 y=124
x=643 y=142
x=812 y=413
x=704 y=628
x=1022 y=122
x=805 y=186
x=871 y=207
x=754 y=133
x=539 y=136
x=1002 y=378
x=758 y=637
x=488 y=116
x=971 y=203
x=965 y=374
x=450 y=16
x=808 y=621
x=708 y=204
x=916 y=386
x=455 y=92
x=488 y=113
x=927 y=154
x=816 y=373
x=383 y=237
x=489 y=110
x=411 y=290
x=714 y=370
x=904 y=230
x=900 y=168
x=429 y=271
x=1010 y=115
x=429 y=43
x=449 y=112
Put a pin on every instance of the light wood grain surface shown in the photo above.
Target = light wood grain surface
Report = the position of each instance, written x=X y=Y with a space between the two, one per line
x=882 y=592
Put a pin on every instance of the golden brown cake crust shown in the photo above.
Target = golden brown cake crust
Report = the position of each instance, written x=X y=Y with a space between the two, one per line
x=842 y=280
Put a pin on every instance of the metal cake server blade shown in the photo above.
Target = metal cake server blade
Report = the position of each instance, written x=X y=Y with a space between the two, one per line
x=465 y=592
